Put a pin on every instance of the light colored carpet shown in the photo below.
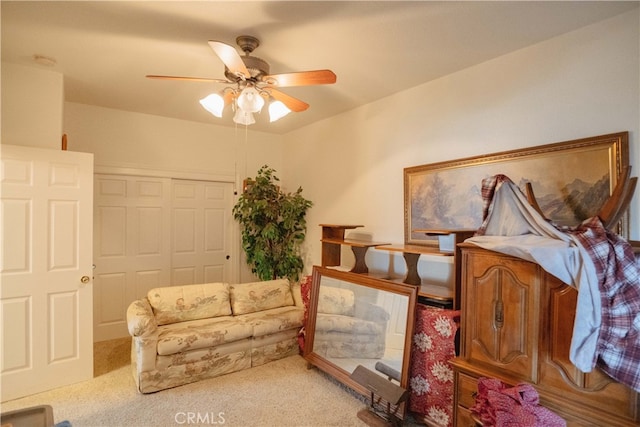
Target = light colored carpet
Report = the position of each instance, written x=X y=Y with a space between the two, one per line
x=280 y=393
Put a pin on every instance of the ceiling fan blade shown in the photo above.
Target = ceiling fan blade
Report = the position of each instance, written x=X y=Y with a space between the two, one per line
x=191 y=79
x=294 y=104
x=301 y=78
x=230 y=57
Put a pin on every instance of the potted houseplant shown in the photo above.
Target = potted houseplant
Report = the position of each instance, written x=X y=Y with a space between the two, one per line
x=273 y=226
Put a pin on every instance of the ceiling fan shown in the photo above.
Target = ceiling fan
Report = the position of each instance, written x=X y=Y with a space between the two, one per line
x=252 y=84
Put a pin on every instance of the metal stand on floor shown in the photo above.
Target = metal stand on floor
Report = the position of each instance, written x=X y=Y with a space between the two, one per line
x=386 y=398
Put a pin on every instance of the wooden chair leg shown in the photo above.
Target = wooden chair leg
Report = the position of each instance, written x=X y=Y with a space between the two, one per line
x=612 y=215
x=532 y=200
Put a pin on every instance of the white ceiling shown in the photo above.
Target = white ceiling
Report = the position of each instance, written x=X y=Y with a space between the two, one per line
x=104 y=49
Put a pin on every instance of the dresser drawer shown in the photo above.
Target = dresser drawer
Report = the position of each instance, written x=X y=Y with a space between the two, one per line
x=467 y=388
x=464 y=418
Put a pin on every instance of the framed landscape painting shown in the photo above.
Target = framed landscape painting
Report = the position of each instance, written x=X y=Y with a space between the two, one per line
x=571 y=181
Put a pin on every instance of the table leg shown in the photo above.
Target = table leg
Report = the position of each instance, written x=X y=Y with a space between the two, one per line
x=360 y=265
x=412 y=278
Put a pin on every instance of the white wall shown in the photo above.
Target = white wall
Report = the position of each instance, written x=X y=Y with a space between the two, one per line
x=32 y=106
x=581 y=84
x=141 y=141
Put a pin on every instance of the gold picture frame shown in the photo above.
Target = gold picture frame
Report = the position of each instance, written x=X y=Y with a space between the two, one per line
x=571 y=181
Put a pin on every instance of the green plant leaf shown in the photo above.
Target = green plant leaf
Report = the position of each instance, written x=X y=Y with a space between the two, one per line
x=273 y=227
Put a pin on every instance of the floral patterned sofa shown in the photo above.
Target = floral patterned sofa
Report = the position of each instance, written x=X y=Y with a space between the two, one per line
x=348 y=327
x=182 y=334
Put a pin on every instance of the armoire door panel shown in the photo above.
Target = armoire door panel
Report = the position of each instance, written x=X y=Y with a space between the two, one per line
x=557 y=373
x=499 y=316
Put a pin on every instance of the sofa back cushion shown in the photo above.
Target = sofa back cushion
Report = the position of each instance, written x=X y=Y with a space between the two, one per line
x=259 y=296
x=336 y=301
x=173 y=304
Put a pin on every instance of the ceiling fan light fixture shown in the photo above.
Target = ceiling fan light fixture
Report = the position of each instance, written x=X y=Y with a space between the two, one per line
x=250 y=100
x=252 y=84
x=213 y=103
x=243 y=117
x=277 y=110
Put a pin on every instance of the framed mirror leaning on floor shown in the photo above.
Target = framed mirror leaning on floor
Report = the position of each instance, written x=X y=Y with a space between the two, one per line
x=356 y=319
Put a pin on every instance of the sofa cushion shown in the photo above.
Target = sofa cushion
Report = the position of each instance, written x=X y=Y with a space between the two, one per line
x=336 y=301
x=336 y=344
x=202 y=333
x=173 y=304
x=348 y=325
x=259 y=296
x=210 y=354
x=275 y=320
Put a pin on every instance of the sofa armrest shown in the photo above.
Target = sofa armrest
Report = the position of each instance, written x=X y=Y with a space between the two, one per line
x=371 y=312
x=144 y=330
x=296 y=291
x=140 y=319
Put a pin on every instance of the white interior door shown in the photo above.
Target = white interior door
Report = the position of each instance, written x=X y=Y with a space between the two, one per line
x=132 y=246
x=396 y=306
x=46 y=292
x=201 y=232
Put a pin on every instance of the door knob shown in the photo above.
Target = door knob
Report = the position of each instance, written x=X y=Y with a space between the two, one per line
x=85 y=279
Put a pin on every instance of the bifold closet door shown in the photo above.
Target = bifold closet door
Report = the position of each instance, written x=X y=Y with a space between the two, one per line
x=151 y=232
x=132 y=222
x=201 y=231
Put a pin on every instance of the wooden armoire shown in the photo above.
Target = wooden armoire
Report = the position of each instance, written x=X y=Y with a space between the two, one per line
x=517 y=323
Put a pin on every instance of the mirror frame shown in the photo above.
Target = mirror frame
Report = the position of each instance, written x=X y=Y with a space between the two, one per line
x=362 y=280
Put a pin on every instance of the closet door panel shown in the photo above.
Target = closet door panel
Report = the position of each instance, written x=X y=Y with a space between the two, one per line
x=131 y=246
x=201 y=230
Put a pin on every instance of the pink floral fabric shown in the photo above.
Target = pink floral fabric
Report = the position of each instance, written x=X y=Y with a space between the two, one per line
x=305 y=290
x=499 y=405
x=431 y=379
